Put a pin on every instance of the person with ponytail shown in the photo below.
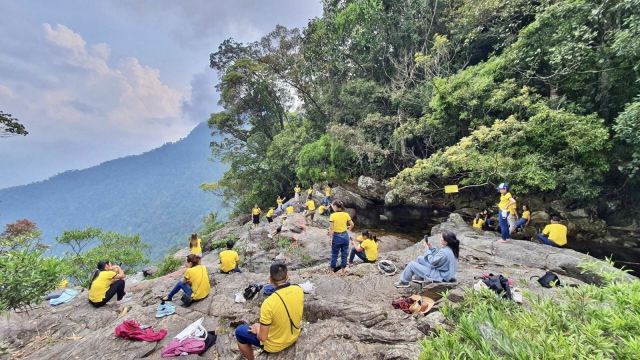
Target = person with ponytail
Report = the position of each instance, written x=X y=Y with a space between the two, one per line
x=195 y=285
x=339 y=223
x=195 y=244
x=107 y=281
x=437 y=264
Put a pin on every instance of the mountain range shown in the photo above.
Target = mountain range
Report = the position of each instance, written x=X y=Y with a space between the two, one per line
x=155 y=194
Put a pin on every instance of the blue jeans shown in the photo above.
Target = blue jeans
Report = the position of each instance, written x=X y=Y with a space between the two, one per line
x=244 y=336
x=545 y=240
x=234 y=270
x=327 y=200
x=361 y=255
x=339 y=244
x=181 y=285
x=504 y=227
x=521 y=222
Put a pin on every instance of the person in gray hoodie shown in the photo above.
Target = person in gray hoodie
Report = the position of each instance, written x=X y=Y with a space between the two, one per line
x=437 y=264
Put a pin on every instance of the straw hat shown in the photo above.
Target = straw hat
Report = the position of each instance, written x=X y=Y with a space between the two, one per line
x=421 y=304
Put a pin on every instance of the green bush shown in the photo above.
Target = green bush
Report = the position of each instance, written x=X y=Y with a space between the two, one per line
x=322 y=160
x=587 y=322
x=168 y=265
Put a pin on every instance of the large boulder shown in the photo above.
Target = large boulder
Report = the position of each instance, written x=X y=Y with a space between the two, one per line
x=372 y=188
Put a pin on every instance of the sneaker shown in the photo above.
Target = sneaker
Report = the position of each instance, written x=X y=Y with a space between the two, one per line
x=401 y=284
x=123 y=300
x=165 y=309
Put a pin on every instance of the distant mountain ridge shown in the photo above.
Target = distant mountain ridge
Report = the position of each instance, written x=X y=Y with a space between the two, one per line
x=155 y=194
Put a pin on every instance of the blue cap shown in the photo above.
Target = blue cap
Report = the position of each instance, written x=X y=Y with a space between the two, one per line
x=504 y=186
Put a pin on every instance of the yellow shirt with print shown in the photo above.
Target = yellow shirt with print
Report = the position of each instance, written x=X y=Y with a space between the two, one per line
x=370 y=249
x=504 y=201
x=478 y=223
x=256 y=211
x=311 y=206
x=526 y=214
x=197 y=250
x=198 y=277
x=100 y=285
x=270 y=213
x=228 y=260
x=282 y=331
x=556 y=233
x=340 y=221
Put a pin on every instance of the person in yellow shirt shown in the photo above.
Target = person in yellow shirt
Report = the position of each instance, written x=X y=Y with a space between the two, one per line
x=322 y=210
x=195 y=285
x=280 y=202
x=255 y=214
x=270 y=215
x=296 y=191
x=290 y=209
x=280 y=317
x=229 y=260
x=478 y=222
x=339 y=223
x=327 y=195
x=506 y=202
x=526 y=217
x=310 y=210
x=195 y=244
x=554 y=234
x=365 y=248
x=310 y=191
x=107 y=281
x=512 y=219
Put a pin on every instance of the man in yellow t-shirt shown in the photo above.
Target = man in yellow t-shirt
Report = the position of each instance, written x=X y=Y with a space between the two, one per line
x=108 y=280
x=255 y=215
x=280 y=317
x=229 y=260
x=310 y=211
x=554 y=234
x=195 y=285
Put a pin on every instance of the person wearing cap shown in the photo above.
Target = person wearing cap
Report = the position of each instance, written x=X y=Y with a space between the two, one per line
x=437 y=264
x=507 y=202
x=280 y=317
x=554 y=234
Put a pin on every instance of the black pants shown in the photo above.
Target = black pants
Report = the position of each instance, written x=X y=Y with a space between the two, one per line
x=116 y=288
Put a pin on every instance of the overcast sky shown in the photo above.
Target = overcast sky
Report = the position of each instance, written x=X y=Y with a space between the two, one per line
x=97 y=80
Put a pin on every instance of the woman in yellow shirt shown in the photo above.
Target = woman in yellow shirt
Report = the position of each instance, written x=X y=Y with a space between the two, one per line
x=478 y=222
x=270 y=215
x=526 y=217
x=339 y=223
x=296 y=191
x=255 y=214
x=108 y=280
x=195 y=285
x=365 y=248
x=195 y=243
x=506 y=201
x=280 y=202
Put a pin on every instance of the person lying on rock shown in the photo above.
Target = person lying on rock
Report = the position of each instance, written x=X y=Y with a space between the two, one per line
x=366 y=249
x=280 y=317
x=107 y=280
x=229 y=259
x=554 y=234
x=437 y=264
x=339 y=223
x=195 y=284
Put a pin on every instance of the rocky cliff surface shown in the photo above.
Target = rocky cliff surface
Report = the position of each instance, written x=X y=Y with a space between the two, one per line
x=348 y=317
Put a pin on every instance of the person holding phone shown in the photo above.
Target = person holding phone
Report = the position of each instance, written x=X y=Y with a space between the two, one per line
x=437 y=264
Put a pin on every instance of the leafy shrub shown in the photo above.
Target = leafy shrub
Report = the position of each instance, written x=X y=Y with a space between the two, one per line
x=168 y=265
x=587 y=322
x=91 y=245
x=322 y=160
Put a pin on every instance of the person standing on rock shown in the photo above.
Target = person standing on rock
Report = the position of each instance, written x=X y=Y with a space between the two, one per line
x=280 y=202
x=280 y=317
x=195 y=285
x=296 y=191
x=327 y=195
x=554 y=234
x=310 y=211
x=437 y=264
x=506 y=202
x=255 y=214
x=270 y=215
x=339 y=223
x=107 y=281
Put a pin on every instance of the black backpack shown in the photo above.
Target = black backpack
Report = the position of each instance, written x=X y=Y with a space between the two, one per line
x=499 y=284
x=548 y=280
x=251 y=291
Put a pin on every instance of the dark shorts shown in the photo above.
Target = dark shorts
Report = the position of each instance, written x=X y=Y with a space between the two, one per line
x=269 y=219
x=244 y=336
x=256 y=219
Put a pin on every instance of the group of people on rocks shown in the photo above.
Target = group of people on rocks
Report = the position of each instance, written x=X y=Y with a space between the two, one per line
x=281 y=312
x=509 y=221
x=309 y=206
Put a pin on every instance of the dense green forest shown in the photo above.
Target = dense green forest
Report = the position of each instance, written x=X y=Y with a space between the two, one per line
x=543 y=94
x=156 y=195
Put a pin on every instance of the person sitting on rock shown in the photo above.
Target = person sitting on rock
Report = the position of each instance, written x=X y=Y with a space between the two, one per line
x=525 y=219
x=505 y=205
x=107 y=280
x=339 y=223
x=366 y=249
x=310 y=211
x=280 y=317
x=255 y=215
x=195 y=284
x=195 y=244
x=438 y=264
x=270 y=215
x=489 y=222
x=229 y=259
x=478 y=222
x=323 y=210
x=554 y=234
x=290 y=209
